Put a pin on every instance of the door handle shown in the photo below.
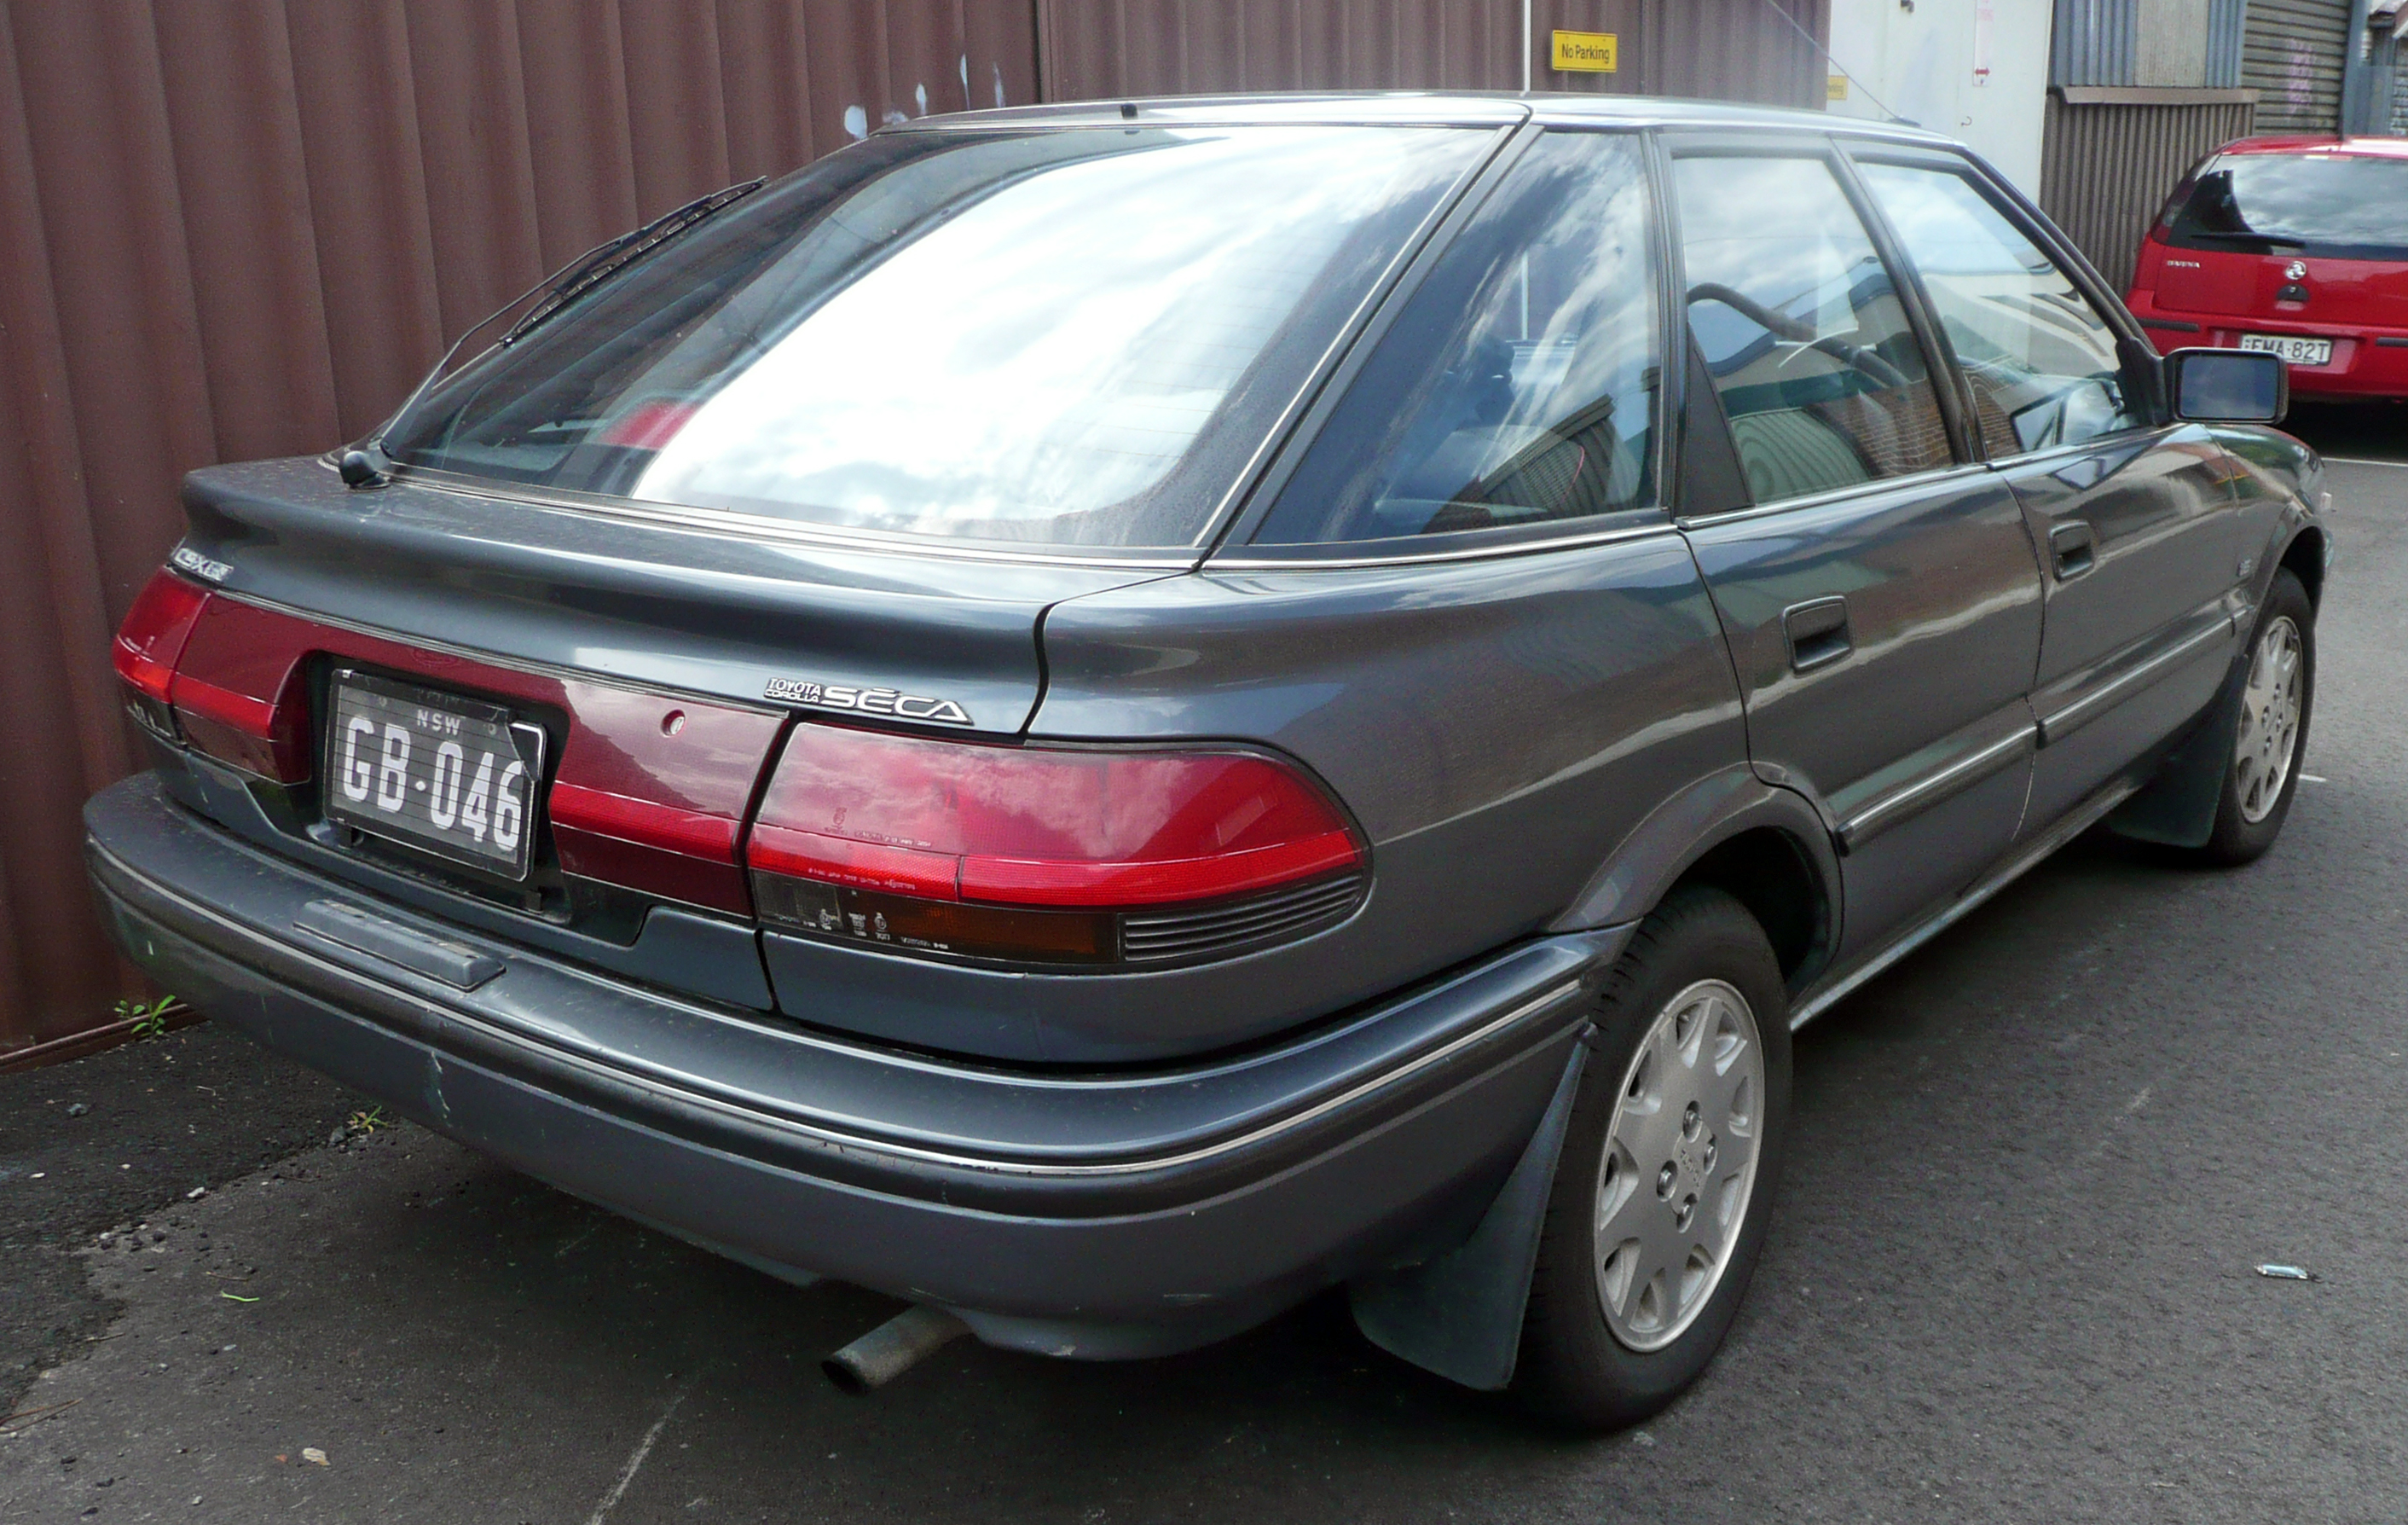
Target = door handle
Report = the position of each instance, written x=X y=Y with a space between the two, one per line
x=1817 y=631
x=2075 y=545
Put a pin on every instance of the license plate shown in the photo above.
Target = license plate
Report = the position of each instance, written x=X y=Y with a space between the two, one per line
x=2299 y=352
x=443 y=773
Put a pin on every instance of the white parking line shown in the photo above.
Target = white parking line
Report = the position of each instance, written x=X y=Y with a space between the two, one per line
x=2354 y=460
x=635 y=1462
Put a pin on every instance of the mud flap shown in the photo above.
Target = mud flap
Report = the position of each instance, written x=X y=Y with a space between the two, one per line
x=2177 y=807
x=1460 y=1316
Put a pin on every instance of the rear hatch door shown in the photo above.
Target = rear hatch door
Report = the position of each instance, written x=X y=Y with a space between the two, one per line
x=662 y=666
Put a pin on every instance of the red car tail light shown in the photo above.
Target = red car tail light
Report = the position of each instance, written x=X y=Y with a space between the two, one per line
x=238 y=697
x=152 y=639
x=265 y=738
x=1031 y=851
x=639 y=844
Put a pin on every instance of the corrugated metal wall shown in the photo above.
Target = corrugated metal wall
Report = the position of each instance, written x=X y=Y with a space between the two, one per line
x=235 y=228
x=241 y=228
x=2291 y=55
x=2094 y=42
x=1730 y=50
x=2225 y=21
x=2106 y=166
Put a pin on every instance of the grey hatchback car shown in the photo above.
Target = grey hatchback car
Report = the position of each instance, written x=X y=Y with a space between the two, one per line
x=1106 y=718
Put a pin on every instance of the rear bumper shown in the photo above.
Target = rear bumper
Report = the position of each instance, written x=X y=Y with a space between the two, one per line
x=1101 y=1215
x=2367 y=363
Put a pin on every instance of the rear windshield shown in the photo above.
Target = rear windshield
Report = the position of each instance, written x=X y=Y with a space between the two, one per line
x=1072 y=336
x=2330 y=205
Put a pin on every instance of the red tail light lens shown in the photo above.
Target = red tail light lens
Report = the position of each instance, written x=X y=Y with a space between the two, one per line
x=925 y=842
x=239 y=698
x=265 y=738
x=153 y=637
x=685 y=855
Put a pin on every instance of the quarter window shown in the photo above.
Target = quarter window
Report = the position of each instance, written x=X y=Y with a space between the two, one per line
x=1801 y=328
x=2042 y=361
x=1519 y=384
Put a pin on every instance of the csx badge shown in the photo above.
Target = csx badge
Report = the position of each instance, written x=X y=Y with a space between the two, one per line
x=867 y=701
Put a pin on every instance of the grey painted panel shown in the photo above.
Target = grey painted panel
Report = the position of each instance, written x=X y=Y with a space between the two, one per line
x=2168 y=546
x=702 y=612
x=1199 y=1255
x=1942 y=604
x=1495 y=725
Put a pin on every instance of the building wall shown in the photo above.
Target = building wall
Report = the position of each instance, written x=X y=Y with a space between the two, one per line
x=1726 y=49
x=243 y=228
x=2293 y=57
x=2115 y=155
x=2168 y=51
x=238 y=228
x=1976 y=69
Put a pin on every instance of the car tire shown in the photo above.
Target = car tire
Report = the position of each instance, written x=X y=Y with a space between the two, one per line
x=2274 y=697
x=1615 y=1325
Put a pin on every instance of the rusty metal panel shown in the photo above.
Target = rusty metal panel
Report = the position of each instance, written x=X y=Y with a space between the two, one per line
x=2106 y=166
x=232 y=229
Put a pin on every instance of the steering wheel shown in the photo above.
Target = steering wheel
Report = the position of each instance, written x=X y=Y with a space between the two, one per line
x=1853 y=355
x=1781 y=325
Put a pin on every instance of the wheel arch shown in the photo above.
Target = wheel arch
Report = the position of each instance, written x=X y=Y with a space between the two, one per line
x=2305 y=557
x=1764 y=846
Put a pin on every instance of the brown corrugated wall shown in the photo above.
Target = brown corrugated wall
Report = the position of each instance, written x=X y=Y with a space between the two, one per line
x=236 y=229
x=240 y=228
x=1730 y=49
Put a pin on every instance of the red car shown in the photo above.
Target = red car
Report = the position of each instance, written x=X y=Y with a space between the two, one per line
x=2294 y=245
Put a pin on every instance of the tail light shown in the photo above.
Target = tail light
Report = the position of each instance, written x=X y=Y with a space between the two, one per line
x=156 y=653
x=1055 y=854
x=657 y=849
x=150 y=641
x=263 y=737
x=240 y=699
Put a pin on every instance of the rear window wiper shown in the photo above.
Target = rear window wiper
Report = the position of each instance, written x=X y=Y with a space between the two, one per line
x=599 y=264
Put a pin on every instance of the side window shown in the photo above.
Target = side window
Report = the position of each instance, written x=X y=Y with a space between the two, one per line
x=2042 y=361
x=1798 y=324
x=1518 y=383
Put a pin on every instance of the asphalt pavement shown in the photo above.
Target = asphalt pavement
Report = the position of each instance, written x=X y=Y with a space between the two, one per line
x=2011 y=1277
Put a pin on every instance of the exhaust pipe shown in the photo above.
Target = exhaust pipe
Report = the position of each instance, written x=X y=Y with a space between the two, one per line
x=893 y=1348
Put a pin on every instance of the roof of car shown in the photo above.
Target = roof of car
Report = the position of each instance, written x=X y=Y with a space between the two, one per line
x=2377 y=148
x=1403 y=107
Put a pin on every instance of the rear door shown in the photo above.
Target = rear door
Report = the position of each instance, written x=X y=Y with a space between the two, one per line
x=2133 y=517
x=1878 y=589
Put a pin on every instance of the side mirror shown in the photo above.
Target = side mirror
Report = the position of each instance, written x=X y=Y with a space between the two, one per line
x=2228 y=386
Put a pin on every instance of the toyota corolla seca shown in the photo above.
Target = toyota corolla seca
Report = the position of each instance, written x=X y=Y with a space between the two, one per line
x=1106 y=718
